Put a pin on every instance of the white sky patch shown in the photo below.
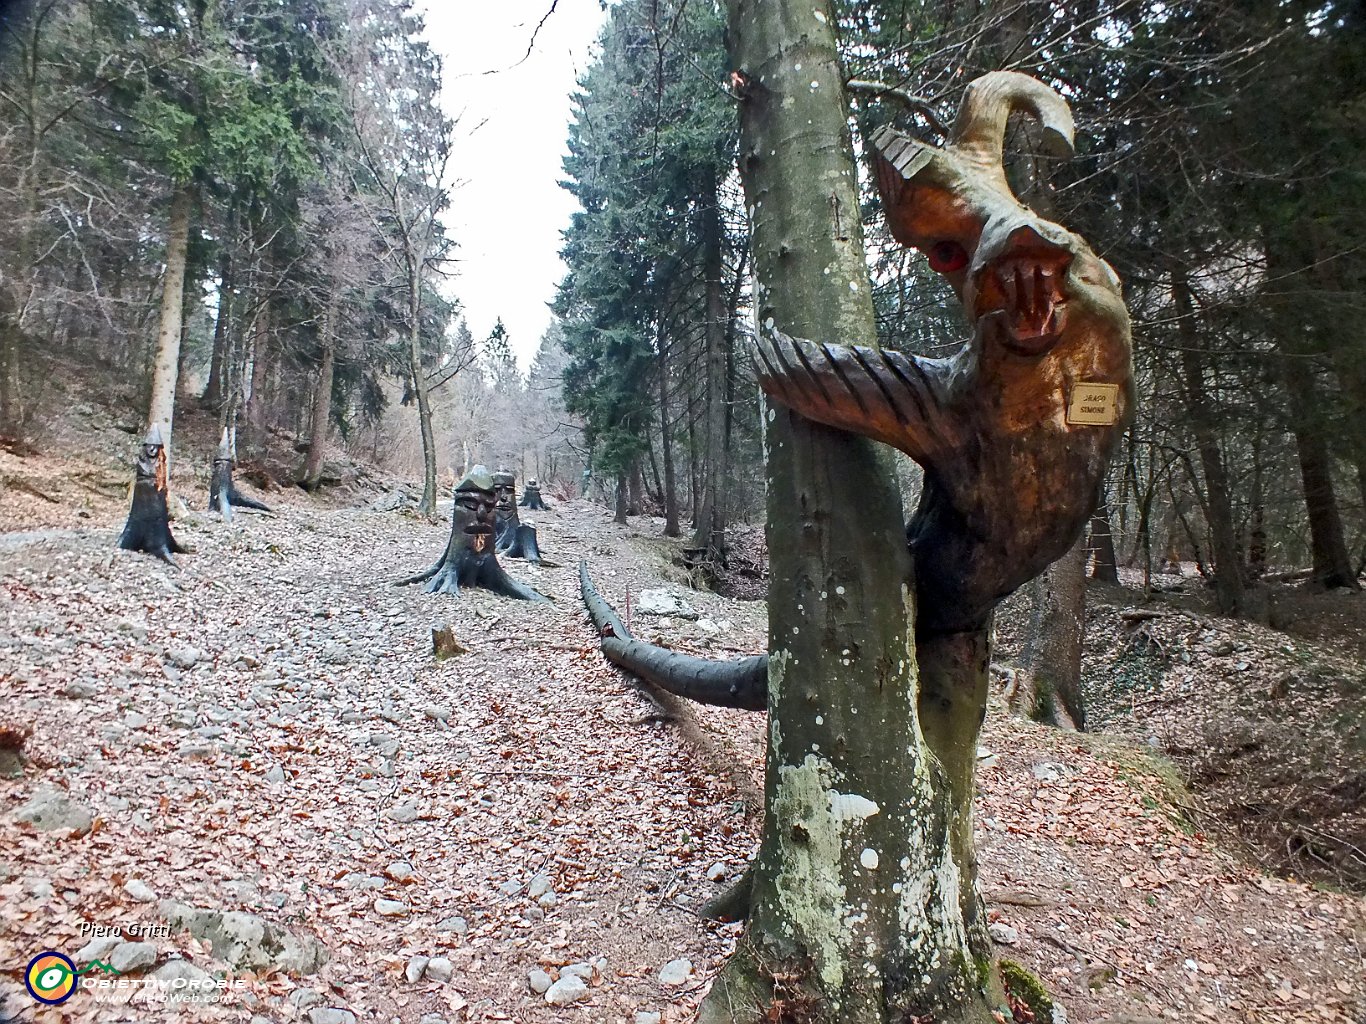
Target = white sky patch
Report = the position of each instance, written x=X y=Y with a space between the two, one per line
x=508 y=209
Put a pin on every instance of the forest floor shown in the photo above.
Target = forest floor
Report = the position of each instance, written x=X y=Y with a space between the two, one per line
x=266 y=730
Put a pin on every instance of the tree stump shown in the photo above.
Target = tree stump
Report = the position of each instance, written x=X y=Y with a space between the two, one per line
x=148 y=528
x=514 y=538
x=470 y=558
x=531 y=497
x=223 y=495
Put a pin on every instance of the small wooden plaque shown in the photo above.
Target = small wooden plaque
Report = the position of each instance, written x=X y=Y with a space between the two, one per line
x=1093 y=405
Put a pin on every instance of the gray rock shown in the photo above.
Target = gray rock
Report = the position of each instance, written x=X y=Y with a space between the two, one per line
x=135 y=720
x=399 y=871
x=391 y=908
x=432 y=1018
x=646 y=1017
x=538 y=886
x=716 y=873
x=140 y=891
x=404 y=813
x=276 y=774
x=247 y=941
x=335 y=653
x=455 y=924
x=132 y=956
x=50 y=809
x=184 y=658
x=96 y=949
x=197 y=751
x=1049 y=771
x=569 y=989
x=1004 y=934
x=664 y=602
x=303 y=998
x=415 y=967
x=437 y=712
x=439 y=968
x=548 y=900
x=79 y=690
x=539 y=981
x=675 y=973
x=584 y=971
x=330 y=1015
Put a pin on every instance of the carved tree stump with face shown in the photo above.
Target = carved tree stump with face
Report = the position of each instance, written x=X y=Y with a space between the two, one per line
x=223 y=495
x=148 y=528
x=515 y=539
x=531 y=497
x=470 y=558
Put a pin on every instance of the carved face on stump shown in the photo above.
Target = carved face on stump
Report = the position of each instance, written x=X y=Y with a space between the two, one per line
x=151 y=465
x=475 y=504
x=505 y=488
x=1026 y=283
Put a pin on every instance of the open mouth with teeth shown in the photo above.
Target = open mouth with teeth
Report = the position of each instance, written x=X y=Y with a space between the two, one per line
x=1021 y=303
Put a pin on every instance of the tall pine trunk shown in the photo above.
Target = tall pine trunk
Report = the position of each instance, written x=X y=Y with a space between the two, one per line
x=1105 y=569
x=1332 y=565
x=856 y=911
x=669 y=493
x=161 y=406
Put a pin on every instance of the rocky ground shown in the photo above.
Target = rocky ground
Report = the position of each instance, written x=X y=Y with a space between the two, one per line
x=253 y=768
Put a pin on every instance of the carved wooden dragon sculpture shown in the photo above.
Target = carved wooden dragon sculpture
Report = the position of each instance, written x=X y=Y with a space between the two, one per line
x=1015 y=430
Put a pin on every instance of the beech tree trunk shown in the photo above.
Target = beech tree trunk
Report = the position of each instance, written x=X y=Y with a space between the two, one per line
x=1105 y=569
x=161 y=406
x=419 y=379
x=856 y=909
x=1052 y=652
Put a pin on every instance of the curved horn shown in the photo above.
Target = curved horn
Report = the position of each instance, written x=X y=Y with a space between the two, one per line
x=980 y=128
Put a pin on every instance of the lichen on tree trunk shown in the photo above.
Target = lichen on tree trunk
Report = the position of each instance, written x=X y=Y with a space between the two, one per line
x=856 y=912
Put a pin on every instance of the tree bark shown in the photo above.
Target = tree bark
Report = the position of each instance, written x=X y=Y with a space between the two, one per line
x=161 y=406
x=856 y=905
x=620 y=516
x=322 y=398
x=254 y=406
x=1052 y=652
x=222 y=343
x=1229 y=589
x=709 y=538
x=1105 y=569
x=670 y=495
x=1332 y=565
x=419 y=379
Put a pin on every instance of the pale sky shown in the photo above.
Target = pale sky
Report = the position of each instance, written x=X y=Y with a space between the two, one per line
x=507 y=215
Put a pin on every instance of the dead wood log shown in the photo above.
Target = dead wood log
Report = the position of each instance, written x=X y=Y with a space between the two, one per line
x=739 y=684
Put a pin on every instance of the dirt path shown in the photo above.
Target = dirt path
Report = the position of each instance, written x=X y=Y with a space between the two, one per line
x=267 y=731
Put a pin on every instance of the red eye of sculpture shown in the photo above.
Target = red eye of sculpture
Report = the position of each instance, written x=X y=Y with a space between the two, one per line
x=946 y=257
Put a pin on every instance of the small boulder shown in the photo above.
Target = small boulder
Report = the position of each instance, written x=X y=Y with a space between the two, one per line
x=132 y=956
x=415 y=967
x=50 y=809
x=664 y=602
x=569 y=989
x=439 y=968
x=391 y=908
x=675 y=973
x=539 y=981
